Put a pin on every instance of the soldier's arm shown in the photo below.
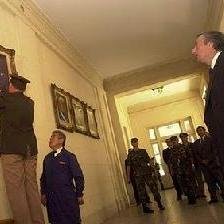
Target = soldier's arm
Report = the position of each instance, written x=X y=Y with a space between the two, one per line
x=77 y=175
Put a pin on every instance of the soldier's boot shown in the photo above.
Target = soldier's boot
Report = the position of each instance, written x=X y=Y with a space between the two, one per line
x=160 y=206
x=179 y=197
x=191 y=200
x=146 y=209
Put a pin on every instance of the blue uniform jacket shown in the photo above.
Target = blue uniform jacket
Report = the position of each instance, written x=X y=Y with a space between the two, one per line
x=62 y=182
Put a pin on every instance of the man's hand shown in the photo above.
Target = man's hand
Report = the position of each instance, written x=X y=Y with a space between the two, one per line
x=80 y=200
x=43 y=200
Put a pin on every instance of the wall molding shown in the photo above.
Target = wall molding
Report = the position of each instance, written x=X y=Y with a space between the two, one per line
x=151 y=75
x=32 y=16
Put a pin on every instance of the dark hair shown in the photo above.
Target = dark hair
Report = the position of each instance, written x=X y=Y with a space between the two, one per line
x=61 y=135
x=183 y=134
x=215 y=37
x=18 y=84
x=198 y=127
x=173 y=138
x=134 y=140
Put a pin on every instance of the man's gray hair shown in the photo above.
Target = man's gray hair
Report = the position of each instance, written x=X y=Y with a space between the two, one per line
x=61 y=135
x=215 y=37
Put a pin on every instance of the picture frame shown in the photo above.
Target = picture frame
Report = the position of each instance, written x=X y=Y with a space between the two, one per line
x=79 y=115
x=7 y=67
x=62 y=108
x=92 y=122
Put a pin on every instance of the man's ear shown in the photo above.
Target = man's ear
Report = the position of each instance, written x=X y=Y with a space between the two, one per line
x=210 y=44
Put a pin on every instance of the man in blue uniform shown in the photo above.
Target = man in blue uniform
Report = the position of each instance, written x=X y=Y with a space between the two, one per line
x=59 y=194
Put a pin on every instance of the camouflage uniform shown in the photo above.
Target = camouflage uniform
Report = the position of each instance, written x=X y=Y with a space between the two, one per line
x=139 y=160
x=187 y=173
x=174 y=164
x=182 y=170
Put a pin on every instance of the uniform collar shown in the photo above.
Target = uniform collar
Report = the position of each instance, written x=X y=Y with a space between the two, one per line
x=58 y=151
x=214 y=59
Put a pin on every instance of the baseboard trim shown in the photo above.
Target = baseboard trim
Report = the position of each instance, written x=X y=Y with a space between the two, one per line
x=6 y=221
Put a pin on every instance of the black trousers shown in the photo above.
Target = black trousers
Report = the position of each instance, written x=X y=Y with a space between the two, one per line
x=177 y=185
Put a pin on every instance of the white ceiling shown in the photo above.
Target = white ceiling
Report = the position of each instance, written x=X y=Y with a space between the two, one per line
x=117 y=36
x=171 y=89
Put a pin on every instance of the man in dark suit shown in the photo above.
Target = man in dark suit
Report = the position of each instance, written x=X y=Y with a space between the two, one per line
x=18 y=149
x=209 y=47
x=59 y=193
x=206 y=158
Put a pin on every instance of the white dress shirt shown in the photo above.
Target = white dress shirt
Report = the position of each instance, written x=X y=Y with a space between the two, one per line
x=57 y=151
x=214 y=59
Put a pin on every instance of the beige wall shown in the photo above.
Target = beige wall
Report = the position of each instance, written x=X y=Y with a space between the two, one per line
x=179 y=107
x=39 y=59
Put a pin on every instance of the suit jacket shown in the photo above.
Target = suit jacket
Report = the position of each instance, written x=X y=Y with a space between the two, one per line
x=205 y=150
x=166 y=155
x=214 y=107
x=16 y=124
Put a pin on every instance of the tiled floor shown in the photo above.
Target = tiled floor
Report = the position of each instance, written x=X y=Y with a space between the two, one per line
x=176 y=213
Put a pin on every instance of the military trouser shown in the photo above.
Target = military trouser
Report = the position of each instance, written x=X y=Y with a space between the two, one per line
x=135 y=190
x=143 y=180
x=188 y=183
x=200 y=182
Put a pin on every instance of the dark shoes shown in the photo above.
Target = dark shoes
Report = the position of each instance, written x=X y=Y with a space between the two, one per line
x=192 y=202
x=160 y=206
x=213 y=200
x=147 y=210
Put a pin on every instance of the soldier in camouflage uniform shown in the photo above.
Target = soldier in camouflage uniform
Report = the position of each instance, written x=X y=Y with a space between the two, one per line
x=206 y=156
x=134 y=186
x=139 y=160
x=174 y=166
x=187 y=171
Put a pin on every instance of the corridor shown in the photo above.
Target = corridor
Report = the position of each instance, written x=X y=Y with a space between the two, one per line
x=175 y=213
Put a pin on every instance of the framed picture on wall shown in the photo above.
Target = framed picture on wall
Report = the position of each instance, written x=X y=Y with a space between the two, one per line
x=79 y=115
x=62 y=108
x=92 y=123
x=7 y=66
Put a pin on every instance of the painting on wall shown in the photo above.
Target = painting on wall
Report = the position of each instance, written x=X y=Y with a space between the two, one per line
x=79 y=115
x=7 y=66
x=62 y=108
x=92 y=123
